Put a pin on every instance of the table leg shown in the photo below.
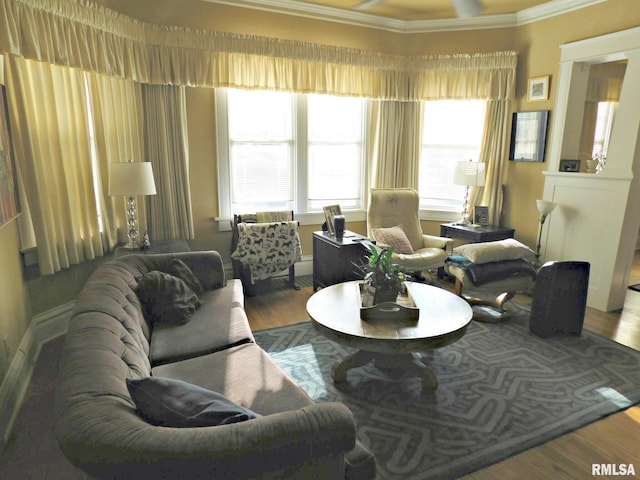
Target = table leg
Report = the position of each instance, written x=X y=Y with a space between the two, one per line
x=429 y=379
x=407 y=364
x=358 y=359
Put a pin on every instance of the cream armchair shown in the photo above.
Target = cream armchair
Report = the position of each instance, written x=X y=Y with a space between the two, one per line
x=392 y=219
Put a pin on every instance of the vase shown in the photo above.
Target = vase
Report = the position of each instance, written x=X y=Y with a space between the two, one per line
x=592 y=165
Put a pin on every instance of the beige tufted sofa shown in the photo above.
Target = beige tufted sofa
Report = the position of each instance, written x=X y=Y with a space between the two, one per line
x=100 y=431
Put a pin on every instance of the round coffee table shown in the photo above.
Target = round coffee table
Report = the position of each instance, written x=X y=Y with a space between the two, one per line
x=443 y=319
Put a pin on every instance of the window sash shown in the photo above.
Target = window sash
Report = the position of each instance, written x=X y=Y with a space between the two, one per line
x=452 y=132
x=305 y=167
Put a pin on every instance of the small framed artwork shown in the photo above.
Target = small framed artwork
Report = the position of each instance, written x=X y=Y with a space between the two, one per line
x=529 y=136
x=538 y=89
x=329 y=213
x=569 y=165
x=481 y=215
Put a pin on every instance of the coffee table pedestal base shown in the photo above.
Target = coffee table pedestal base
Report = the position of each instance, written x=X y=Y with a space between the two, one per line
x=404 y=363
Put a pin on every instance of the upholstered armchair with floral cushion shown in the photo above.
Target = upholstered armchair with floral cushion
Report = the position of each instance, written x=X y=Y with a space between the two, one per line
x=393 y=220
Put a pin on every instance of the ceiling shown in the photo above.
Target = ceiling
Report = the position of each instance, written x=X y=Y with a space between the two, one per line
x=417 y=15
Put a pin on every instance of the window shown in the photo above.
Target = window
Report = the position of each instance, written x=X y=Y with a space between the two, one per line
x=282 y=151
x=261 y=142
x=335 y=151
x=604 y=123
x=452 y=132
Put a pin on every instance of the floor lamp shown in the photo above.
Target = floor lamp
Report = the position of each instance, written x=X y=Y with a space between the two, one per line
x=130 y=179
x=469 y=174
x=545 y=208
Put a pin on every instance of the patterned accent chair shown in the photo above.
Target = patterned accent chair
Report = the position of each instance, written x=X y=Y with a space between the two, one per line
x=393 y=220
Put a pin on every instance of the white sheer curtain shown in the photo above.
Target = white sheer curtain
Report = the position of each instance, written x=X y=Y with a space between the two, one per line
x=494 y=152
x=166 y=144
x=91 y=37
x=48 y=108
x=117 y=118
x=395 y=137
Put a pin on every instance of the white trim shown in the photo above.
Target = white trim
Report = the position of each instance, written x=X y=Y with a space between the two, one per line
x=362 y=19
x=552 y=9
x=43 y=327
x=605 y=48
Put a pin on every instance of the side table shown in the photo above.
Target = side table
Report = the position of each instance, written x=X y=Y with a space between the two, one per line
x=476 y=233
x=161 y=246
x=333 y=259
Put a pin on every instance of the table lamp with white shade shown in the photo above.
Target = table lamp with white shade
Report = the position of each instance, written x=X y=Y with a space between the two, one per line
x=469 y=174
x=131 y=179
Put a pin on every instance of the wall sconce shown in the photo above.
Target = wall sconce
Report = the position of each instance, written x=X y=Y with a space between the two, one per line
x=130 y=179
x=469 y=174
x=545 y=208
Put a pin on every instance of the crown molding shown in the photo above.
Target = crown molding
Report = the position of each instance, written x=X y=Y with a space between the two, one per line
x=367 y=20
x=552 y=9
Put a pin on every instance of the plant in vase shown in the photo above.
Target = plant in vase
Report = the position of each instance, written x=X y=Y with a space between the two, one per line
x=383 y=276
x=601 y=160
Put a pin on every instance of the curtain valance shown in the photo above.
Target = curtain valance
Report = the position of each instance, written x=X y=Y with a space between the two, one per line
x=81 y=34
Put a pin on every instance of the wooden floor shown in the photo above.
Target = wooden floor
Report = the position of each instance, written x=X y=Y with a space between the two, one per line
x=614 y=440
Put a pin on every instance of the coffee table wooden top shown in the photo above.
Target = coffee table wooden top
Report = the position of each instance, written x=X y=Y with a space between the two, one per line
x=444 y=317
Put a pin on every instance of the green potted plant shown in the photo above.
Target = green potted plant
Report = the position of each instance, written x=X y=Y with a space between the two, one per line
x=383 y=276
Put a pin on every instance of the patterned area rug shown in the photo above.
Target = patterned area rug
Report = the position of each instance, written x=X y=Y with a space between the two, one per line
x=501 y=390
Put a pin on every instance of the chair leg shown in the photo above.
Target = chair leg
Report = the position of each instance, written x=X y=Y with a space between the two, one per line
x=292 y=278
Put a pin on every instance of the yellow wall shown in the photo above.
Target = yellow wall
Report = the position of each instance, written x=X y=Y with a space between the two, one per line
x=539 y=53
x=14 y=303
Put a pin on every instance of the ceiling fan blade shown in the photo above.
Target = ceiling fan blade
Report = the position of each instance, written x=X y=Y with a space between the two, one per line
x=467 y=8
x=368 y=4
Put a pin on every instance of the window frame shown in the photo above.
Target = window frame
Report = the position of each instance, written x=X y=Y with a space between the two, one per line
x=300 y=165
x=431 y=211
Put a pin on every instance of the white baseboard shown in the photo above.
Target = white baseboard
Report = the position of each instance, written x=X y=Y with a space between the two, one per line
x=43 y=327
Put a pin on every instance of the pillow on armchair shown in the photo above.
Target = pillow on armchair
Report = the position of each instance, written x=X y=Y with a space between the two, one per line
x=394 y=237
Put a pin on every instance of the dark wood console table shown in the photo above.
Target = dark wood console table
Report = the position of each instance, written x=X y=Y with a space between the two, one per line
x=477 y=233
x=333 y=259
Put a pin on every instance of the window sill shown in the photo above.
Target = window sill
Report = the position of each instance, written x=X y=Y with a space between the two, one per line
x=444 y=216
x=311 y=218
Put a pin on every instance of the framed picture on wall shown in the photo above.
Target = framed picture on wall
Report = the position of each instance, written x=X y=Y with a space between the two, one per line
x=538 y=89
x=329 y=213
x=9 y=199
x=529 y=136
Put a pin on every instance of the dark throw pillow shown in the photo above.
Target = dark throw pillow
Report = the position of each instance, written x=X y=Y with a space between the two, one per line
x=166 y=299
x=173 y=403
x=178 y=268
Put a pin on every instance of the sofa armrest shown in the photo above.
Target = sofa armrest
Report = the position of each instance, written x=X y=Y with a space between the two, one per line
x=282 y=442
x=438 y=242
